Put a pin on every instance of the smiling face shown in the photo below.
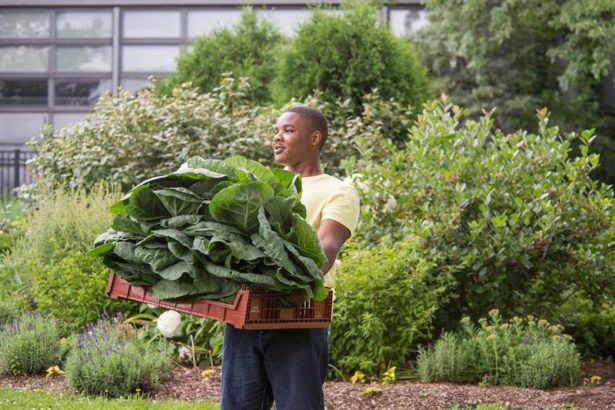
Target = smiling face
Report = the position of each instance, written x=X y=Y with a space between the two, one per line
x=294 y=143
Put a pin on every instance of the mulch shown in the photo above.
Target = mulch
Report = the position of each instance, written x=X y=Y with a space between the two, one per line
x=188 y=384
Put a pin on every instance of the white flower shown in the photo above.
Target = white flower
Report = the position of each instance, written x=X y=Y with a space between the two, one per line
x=170 y=324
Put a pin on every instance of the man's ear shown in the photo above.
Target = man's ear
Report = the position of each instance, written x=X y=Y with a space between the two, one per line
x=316 y=138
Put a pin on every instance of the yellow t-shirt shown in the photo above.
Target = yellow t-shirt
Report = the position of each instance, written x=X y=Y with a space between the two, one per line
x=326 y=197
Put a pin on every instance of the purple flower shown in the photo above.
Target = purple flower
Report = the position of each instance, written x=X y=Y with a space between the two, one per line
x=525 y=340
x=120 y=316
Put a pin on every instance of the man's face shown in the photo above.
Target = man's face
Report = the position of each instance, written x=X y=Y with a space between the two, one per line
x=291 y=142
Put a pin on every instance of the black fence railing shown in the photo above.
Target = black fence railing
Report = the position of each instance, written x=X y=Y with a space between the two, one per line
x=13 y=170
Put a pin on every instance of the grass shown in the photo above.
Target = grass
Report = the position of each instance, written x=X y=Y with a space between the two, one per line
x=34 y=400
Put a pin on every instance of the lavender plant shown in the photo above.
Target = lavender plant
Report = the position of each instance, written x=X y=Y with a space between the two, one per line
x=29 y=344
x=109 y=360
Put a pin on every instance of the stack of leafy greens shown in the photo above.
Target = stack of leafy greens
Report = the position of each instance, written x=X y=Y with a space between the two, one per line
x=211 y=227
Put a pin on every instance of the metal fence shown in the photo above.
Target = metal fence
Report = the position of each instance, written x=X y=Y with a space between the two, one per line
x=13 y=170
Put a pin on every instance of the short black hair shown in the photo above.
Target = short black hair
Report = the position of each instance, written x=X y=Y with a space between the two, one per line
x=315 y=119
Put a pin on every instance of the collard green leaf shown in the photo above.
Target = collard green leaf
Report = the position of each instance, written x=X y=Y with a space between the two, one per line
x=174 y=234
x=179 y=201
x=126 y=224
x=261 y=172
x=214 y=165
x=172 y=289
x=100 y=250
x=157 y=258
x=146 y=206
x=175 y=271
x=181 y=221
x=238 y=204
x=242 y=277
x=280 y=214
x=306 y=238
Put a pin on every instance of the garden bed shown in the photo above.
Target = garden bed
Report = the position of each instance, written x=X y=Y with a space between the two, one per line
x=187 y=384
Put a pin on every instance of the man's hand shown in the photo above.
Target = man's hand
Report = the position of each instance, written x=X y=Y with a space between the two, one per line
x=332 y=235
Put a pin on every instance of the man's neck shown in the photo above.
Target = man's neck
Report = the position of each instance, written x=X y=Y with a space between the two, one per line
x=306 y=170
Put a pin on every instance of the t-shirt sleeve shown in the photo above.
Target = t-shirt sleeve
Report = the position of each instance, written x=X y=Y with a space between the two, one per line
x=343 y=207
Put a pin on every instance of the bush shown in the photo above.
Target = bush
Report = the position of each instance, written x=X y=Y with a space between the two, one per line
x=130 y=138
x=526 y=353
x=384 y=307
x=28 y=345
x=346 y=56
x=8 y=310
x=249 y=50
x=109 y=360
x=591 y=325
x=510 y=220
x=48 y=262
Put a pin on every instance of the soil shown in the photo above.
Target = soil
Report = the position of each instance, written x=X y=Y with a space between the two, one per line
x=188 y=384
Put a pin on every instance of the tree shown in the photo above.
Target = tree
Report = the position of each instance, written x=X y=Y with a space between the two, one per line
x=247 y=50
x=519 y=56
x=346 y=56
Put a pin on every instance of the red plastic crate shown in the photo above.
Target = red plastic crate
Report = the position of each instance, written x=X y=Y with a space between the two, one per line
x=251 y=309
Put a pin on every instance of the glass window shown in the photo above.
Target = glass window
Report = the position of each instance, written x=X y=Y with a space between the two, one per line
x=149 y=59
x=406 y=22
x=135 y=84
x=63 y=120
x=24 y=24
x=203 y=22
x=287 y=21
x=80 y=92
x=22 y=59
x=18 y=128
x=151 y=24
x=85 y=24
x=83 y=59
x=23 y=92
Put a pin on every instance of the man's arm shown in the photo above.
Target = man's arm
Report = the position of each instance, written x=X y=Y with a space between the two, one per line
x=332 y=235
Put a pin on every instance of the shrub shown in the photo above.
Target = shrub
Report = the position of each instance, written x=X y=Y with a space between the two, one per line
x=346 y=56
x=249 y=50
x=591 y=325
x=384 y=307
x=48 y=261
x=109 y=360
x=131 y=138
x=28 y=345
x=510 y=220
x=520 y=352
x=8 y=310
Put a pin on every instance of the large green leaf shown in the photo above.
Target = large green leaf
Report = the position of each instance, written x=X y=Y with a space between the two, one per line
x=181 y=221
x=214 y=165
x=271 y=244
x=261 y=172
x=157 y=258
x=171 y=289
x=175 y=271
x=145 y=205
x=100 y=250
x=179 y=201
x=238 y=204
x=126 y=224
x=174 y=234
x=306 y=238
x=242 y=277
x=280 y=214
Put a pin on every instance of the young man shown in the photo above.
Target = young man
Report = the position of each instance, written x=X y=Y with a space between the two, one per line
x=289 y=366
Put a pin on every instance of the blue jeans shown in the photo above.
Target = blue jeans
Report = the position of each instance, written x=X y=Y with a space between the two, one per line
x=289 y=365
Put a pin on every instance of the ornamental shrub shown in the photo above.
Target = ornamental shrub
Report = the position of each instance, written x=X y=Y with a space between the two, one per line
x=29 y=344
x=384 y=307
x=109 y=359
x=48 y=263
x=130 y=138
x=346 y=55
x=249 y=50
x=519 y=352
x=509 y=221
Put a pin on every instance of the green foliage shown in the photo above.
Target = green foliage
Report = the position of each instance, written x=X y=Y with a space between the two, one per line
x=28 y=345
x=591 y=325
x=248 y=50
x=384 y=307
x=33 y=399
x=47 y=264
x=72 y=290
x=108 y=360
x=131 y=138
x=526 y=353
x=521 y=56
x=212 y=226
x=346 y=56
x=8 y=310
x=510 y=220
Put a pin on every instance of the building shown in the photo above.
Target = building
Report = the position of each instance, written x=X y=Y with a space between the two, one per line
x=58 y=57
